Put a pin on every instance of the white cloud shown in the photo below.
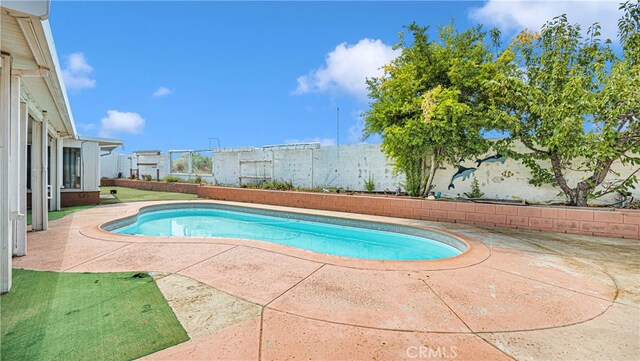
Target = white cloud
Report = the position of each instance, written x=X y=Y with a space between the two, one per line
x=121 y=122
x=514 y=15
x=322 y=141
x=355 y=130
x=77 y=72
x=162 y=91
x=347 y=67
x=87 y=126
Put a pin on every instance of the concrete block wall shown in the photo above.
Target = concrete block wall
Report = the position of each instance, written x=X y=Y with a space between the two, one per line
x=509 y=179
x=297 y=165
x=610 y=222
x=143 y=161
x=349 y=166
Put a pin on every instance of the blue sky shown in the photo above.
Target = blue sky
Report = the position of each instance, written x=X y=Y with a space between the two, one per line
x=171 y=75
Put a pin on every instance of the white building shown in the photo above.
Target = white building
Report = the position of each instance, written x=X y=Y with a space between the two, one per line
x=79 y=183
x=39 y=147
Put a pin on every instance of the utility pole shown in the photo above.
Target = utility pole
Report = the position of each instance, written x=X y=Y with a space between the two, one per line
x=338 y=126
x=337 y=146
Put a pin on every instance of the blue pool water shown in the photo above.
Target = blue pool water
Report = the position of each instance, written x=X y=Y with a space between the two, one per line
x=334 y=239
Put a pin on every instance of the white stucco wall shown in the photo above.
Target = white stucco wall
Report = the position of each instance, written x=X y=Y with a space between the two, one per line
x=324 y=167
x=511 y=181
x=112 y=164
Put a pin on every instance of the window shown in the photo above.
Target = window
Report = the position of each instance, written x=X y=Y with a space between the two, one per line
x=202 y=163
x=71 y=171
x=179 y=162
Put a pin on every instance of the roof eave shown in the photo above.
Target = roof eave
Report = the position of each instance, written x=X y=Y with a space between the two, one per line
x=38 y=34
x=35 y=8
x=61 y=98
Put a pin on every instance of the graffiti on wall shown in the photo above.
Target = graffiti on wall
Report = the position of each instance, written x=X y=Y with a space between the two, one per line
x=492 y=159
x=465 y=172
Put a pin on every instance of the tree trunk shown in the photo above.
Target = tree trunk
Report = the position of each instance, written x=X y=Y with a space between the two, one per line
x=423 y=177
x=556 y=166
x=579 y=195
x=432 y=173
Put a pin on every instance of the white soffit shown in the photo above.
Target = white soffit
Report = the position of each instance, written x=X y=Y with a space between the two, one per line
x=37 y=8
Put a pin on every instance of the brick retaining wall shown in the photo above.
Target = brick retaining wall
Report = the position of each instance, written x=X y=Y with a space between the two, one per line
x=608 y=222
x=598 y=222
x=70 y=199
x=151 y=185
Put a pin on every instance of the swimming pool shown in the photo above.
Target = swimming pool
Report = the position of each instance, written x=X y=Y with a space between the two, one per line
x=329 y=235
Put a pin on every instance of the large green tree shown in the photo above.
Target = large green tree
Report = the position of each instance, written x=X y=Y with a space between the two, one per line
x=574 y=105
x=430 y=105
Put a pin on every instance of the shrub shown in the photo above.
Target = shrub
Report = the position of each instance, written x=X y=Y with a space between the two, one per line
x=369 y=185
x=634 y=204
x=475 y=190
x=196 y=180
x=278 y=185
x=171 y=179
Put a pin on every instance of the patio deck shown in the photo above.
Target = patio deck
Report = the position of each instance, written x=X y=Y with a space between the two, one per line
x=518 y=294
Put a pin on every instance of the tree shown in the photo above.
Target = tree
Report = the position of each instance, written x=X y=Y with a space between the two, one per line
x=201 y=163
x=573 y=104
x=430 y=106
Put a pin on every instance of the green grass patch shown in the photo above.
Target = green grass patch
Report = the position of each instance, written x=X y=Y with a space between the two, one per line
x=61 y=213
x=136 y=195
x=124 y=195
x=85 y=316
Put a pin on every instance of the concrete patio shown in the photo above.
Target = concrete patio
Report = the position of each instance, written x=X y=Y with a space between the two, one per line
x=515 y=295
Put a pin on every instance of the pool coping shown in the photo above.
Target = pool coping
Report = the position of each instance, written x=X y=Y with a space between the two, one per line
x=475 y=253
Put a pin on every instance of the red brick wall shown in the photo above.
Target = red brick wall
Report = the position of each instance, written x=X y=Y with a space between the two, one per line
x=70 y=199
x=151 y=185
x=598 y=222
x=107 y=182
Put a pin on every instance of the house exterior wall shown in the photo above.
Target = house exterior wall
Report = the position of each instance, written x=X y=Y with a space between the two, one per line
x=90 y=164
x=89 y=191
x=30 y=86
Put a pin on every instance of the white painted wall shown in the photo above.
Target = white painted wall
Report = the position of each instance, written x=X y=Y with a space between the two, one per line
x=511 y=181
x=114 y=163
x=90 y=163
x=347 y=166
x=349 y=169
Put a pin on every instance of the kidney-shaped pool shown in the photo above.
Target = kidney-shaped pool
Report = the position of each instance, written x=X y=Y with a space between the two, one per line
x=329 y=235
